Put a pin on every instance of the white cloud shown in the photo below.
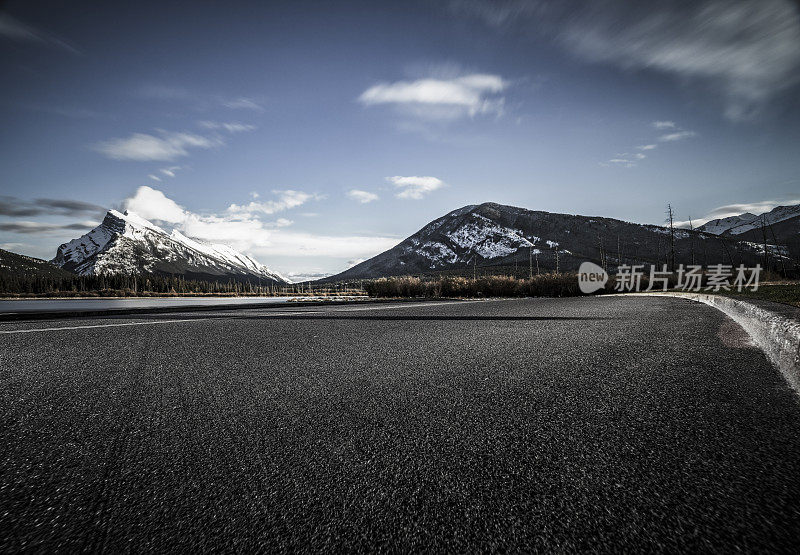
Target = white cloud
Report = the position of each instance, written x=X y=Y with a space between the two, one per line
x=664 y=124
x=639 y=156
x=243 y=103
x=246 y=232
x=647 y=147
x=230 y=127
x=415 y=187
x=677 y=136
x=153 y=177
x=363 y=197
x=152 y=204
x=286 y=200
x=144 y=147
x=442 y=98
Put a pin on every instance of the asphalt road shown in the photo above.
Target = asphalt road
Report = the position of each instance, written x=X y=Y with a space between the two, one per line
x=611 y=424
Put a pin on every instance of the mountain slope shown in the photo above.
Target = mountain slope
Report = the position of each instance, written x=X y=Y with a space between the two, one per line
x=14 y=265
x=506 y=236
x=127 y=243
x=743 y=223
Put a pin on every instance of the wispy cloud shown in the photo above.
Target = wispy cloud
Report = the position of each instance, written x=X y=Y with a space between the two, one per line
x=153 y=177
x=618 y=162
x=243 y=103
x=628 y=160
x=745 y=49
x=415 y=187
x=677 y=136
x=445 y=98
x=230 y=127
x=197 y=100
x=286 y=200
x=170 y=171
x=13 y=29
x=362 y=197
x=164 y=147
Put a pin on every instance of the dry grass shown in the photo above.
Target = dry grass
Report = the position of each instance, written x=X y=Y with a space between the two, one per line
x=547 y=285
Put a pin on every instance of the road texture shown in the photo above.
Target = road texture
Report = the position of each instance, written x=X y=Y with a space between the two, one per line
x=571 y=425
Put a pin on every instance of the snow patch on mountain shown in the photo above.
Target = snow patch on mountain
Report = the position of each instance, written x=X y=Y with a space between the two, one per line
x=488 y=239
x=735 y=225
x=128 y=243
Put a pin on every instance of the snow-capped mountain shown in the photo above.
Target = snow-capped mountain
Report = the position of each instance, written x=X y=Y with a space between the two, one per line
x=736 y=225
x=519 y=240
x=127 y=243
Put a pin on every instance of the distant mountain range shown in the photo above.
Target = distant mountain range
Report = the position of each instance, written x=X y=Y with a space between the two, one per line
x=125 y=243
x=737 y=225
x=489 y=234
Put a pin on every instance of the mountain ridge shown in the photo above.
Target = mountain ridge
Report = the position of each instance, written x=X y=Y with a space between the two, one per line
x=491 y=234
x=127 y=243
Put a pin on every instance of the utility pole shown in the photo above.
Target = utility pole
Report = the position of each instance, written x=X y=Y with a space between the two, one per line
x=764 y=234
x=557 y=268
x=530 y=262
x=782 y=257
x=600 y=251
x=536 y=254
x=691 y=239
x=671 y=239
x=475 y=268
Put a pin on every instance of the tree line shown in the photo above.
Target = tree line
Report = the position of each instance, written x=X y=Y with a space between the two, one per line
x=129 y=284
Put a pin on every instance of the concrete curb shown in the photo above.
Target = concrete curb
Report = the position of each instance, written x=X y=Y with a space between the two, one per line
x=778 y=335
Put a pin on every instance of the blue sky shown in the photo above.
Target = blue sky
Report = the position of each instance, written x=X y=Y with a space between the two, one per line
x=313 y=134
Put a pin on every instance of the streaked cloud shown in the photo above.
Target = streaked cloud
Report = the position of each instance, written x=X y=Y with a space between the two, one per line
x=415 y=187
x=15 y=207
x=647 y=147
x=664 y=124
x=746 y=50
x=362 y=197
x=164 y=147
x=34 y=228
x=13 y=29
x=441 y=98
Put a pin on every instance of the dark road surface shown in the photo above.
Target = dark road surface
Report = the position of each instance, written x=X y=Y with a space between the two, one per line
x=588 y=424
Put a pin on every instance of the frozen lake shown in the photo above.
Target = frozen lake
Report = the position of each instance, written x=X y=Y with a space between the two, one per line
x=57 y=305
